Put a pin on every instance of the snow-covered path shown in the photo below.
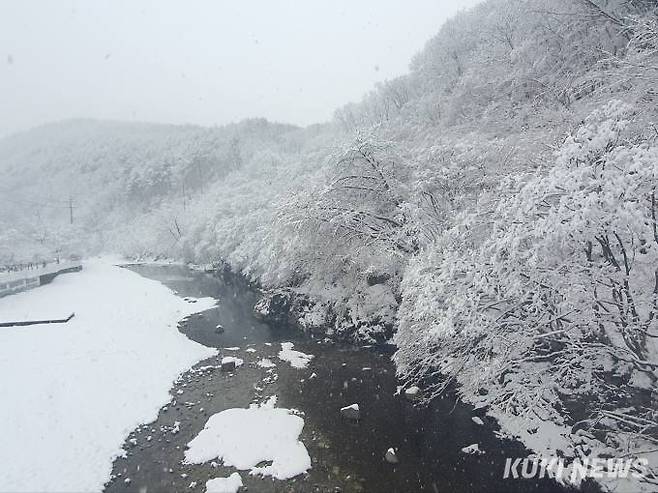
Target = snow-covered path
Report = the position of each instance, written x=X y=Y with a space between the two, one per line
x=71 y=393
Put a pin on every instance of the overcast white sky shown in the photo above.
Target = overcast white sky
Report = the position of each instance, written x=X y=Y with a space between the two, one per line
x=203 y=61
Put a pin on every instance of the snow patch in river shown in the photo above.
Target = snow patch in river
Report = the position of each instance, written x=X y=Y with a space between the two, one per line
x=266 y=363
x=297 y=359
x=224 y=485
x=243 y=438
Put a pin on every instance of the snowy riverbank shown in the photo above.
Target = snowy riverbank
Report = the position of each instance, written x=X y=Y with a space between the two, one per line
x=73 y=392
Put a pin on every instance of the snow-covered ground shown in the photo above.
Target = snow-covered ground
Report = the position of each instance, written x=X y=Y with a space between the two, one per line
x=71 y=393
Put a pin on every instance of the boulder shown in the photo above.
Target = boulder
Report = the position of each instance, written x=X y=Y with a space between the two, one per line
x=473 y=449
x=391 y=457
x=413 y=393
x=275 y=306
x=230 y=363
x=351 y=412
x=374 y=277
x=287 y=308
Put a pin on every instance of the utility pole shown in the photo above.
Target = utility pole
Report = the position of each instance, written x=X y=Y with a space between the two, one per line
x=71 y=209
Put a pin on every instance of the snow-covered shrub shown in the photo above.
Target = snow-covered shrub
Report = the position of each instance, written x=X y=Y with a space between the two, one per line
x=553 y=297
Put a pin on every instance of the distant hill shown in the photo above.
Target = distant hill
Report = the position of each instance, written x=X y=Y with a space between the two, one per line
x=111 y=171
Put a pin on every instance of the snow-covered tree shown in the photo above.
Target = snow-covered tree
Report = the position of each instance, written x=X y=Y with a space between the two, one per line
x=546 y=300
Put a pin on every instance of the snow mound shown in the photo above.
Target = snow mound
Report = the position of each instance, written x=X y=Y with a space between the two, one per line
x=243 y=438
x=297 y=359
x=224 y=485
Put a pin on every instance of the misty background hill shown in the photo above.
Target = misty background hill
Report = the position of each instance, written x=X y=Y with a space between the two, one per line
x=103 y=174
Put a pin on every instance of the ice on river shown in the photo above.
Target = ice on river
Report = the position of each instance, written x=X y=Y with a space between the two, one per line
x=73 y=392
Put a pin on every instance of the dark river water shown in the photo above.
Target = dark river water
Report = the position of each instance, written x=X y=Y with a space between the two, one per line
x=346 y=456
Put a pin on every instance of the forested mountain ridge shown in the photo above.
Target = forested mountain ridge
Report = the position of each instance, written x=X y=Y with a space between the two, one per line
x=495 y=209
x=112 y=172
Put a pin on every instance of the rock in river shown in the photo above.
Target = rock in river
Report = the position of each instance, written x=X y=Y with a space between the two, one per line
x=391 y=457
x=229 y=363
x=351 y=412
x=413 y=393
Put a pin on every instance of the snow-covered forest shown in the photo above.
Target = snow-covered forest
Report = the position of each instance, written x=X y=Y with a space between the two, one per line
x=493 y=213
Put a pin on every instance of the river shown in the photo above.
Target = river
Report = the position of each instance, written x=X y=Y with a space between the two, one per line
x=346 y=456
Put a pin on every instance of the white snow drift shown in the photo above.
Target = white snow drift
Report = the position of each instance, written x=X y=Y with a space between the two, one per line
x=242 y=438
x=72 y=392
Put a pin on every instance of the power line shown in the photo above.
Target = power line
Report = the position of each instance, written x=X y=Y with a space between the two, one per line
x=28 y=203
x=67 y=204
x=34 y=203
